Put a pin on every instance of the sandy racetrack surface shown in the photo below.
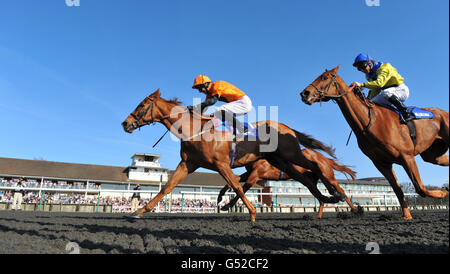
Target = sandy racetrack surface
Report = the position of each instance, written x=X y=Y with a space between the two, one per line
x=44 y=232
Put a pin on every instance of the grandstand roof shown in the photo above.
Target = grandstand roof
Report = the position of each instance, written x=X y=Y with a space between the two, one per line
x=61 y=170
x=156 y=156
x=11 y=167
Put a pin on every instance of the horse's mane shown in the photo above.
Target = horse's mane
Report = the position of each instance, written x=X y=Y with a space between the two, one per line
x=174 y=101
x=177 y=102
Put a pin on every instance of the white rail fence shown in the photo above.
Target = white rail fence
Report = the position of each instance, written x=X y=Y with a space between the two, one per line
x=167 y=205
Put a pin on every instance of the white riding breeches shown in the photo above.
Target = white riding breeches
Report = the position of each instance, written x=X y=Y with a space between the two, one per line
x=239 y=107
x=401 y=92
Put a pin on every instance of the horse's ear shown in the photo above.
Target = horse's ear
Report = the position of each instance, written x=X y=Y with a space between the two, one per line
x=335 y=70
x=157 y=93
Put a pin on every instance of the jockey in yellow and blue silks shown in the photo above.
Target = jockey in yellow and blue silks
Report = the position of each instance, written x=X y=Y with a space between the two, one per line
x=386 y=85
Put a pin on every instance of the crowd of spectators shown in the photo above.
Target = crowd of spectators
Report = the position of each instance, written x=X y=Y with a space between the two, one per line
x=119 y=204
x=189 y=205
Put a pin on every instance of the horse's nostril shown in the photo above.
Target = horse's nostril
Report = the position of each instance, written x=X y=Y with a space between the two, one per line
x=124 y=124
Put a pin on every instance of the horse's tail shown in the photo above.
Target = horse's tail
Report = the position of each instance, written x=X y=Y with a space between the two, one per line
x=312 y=143
x=343 y=169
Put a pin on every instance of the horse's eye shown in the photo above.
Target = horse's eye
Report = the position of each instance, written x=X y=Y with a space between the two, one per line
x=324 y=78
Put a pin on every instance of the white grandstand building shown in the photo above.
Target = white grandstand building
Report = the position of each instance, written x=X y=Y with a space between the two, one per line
x=145 y=167
x=146 y=170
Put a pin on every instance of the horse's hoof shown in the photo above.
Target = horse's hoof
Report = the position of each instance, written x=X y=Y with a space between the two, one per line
x=339 y=196
x=134 y=216
x=225 y=208
x=358 y=211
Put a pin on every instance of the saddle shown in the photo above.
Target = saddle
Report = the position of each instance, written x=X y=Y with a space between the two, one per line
x=225 y=126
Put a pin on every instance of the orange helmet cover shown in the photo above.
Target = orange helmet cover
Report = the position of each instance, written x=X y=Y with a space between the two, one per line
x=200 y=80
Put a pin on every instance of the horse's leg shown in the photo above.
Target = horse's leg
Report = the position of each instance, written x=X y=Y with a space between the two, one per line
x=322 y=198
x=295 y=172
x=221 y=193
x=182 y=170
x=323 y=168
x=242 y=178
x=330 y=182
x=321 y=206
x=316 y=192
x=436 y=153
x=388 y=173
x=325 y=173
x=227 y=173
x=410 y=166
x=314 y=179
x=233 y=201
x=310 y=183
x=341 y=190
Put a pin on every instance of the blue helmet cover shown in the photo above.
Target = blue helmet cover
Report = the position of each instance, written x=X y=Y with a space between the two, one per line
x=362 y=57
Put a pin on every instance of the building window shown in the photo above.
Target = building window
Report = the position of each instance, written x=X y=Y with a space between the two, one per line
x=114 y=186
x=149 y=158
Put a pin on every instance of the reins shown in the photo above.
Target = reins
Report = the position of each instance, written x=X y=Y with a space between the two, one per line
x=322 y=95
x=142 y=114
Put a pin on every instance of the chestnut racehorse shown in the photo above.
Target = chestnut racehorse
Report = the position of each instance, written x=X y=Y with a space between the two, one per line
x=382 y=137
x=261 y=171
x=212 y=150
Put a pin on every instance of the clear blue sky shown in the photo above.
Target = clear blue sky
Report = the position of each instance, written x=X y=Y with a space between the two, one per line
x=70 y=75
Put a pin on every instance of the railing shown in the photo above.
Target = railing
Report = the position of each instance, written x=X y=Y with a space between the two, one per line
x=205 y=209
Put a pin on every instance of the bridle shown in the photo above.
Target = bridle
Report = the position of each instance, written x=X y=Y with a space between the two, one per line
x=142 y=114
x=323 y=95
x=138 y=123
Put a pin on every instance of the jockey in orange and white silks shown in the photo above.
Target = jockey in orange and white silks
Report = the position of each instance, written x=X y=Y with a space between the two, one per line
x=386 y=85
x=237 y=102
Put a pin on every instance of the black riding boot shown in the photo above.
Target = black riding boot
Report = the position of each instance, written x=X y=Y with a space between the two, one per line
x=407 y=116
x=237 y=125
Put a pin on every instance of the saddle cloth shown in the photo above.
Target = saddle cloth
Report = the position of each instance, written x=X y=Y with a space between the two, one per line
x=225 y=126
x=417 y=112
